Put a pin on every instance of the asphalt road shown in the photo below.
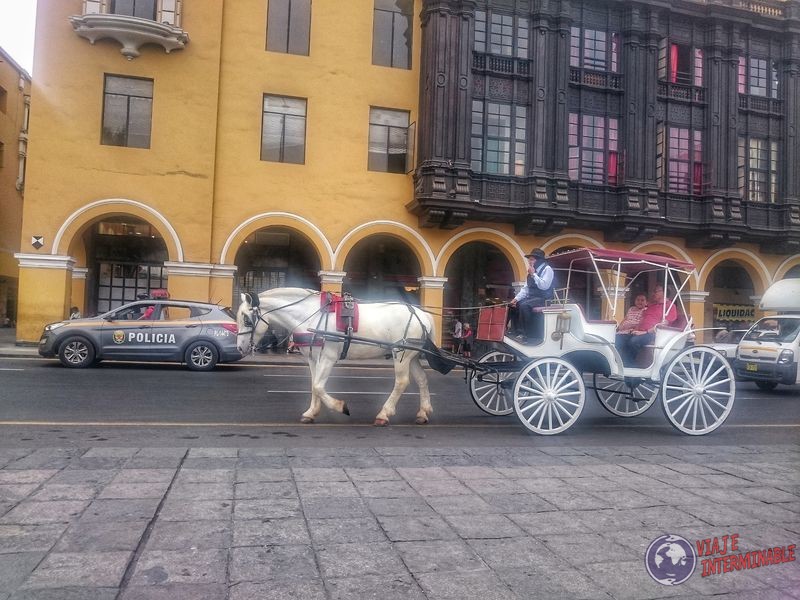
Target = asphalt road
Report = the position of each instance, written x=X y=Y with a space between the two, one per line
x=41 y=403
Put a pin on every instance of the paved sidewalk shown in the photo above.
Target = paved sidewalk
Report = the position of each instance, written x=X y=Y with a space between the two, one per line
x=454 y=523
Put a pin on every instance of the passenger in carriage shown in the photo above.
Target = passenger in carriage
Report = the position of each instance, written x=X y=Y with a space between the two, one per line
x=631 y=320
x=645 y=333
x=537 y=291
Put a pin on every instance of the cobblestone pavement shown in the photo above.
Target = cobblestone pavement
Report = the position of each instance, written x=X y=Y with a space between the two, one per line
x=454 y=523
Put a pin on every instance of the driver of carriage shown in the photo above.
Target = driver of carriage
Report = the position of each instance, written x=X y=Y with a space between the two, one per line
x=645 y=333
x=538 y=290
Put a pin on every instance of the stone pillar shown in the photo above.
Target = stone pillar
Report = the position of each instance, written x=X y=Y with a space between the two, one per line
x=431 y=297
x=790 y=94
x=445 y=109
x=78 y=295
x=188 y=280
x=220 y=288
x=696 y=307
x=331 y=281
x=45 y=288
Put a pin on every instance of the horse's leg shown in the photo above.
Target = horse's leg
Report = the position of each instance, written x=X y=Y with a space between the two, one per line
x=316 y=405
x=401 y=378
x=326 y=360
x=425 y=408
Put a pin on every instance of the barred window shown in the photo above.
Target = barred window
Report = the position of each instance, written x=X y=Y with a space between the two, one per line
x=498 y=138
x=283 y=129
x=758 y=169
x=593 y=149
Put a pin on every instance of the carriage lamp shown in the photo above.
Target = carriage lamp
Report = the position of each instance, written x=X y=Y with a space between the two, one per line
x=786 y=357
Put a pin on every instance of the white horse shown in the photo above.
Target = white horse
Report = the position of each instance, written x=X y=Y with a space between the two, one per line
x=390 y=323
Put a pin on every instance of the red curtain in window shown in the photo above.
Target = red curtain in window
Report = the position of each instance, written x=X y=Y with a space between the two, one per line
x=697 y=178
x=613 y=168
x=673 y=63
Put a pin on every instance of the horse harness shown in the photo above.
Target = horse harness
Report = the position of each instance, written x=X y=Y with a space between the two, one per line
x=347 y=313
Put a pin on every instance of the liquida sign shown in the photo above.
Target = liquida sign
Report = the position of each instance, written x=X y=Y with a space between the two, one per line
x=671 y=559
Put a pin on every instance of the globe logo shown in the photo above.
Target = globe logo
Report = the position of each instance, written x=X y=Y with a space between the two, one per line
x=670 y=559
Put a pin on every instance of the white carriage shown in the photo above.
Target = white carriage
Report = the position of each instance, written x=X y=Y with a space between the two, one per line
x=545 y=383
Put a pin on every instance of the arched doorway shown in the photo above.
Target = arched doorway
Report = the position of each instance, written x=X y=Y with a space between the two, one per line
x=793 y=273
x=382 y=267
x=730 y=303
x=125 y=258
x=275 y=257
x=477 y=274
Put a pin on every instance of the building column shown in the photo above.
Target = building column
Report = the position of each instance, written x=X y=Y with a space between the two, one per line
x=45 y=289
x=790 y=95
x=696 y=301
x=331 y=281
x=220 y=289
x=431 y=296
x=188 y=280
x=78 y=296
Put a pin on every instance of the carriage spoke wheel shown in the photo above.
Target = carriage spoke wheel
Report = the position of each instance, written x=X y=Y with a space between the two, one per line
x=623 y=400
x=549 y=395
x=491 y=392
x=698 y=390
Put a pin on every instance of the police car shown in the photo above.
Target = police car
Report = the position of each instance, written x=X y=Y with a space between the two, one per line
x=195 y=333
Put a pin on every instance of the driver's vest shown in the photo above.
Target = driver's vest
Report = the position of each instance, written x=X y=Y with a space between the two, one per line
x=534 y=291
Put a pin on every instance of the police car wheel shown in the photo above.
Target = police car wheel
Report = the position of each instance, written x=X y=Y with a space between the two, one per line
x=76 y=353
x=201 y=356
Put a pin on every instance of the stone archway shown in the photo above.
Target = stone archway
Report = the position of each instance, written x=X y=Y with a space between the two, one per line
x=124 y=257
x=382 y=267
x=275 y=256
x=730 y=301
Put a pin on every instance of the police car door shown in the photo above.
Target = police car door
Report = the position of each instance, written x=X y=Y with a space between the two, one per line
x=125 y=334
x=173 y=330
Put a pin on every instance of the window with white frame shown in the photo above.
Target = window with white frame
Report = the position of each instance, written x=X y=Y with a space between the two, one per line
x=502 y=34
x=289 y=26
x=283 y=129
x=127 y=111
x=144 y=9
x=758 y=77
x=388 y=140
x=594 y=49
x=498 y=138
x=594 y=149
x=392 y=33
x=757 y=169
x=679 y=159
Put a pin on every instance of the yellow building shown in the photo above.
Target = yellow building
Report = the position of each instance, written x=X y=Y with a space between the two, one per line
x=213 y=146
x=15 y=84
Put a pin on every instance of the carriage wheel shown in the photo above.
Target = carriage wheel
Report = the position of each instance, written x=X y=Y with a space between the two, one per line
x=698 y=390
x=549 y=395
x=620 y=399
x=487 y=390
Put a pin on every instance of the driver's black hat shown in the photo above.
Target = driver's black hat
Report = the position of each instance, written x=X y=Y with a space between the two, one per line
x=143 y=296
x=535 y=253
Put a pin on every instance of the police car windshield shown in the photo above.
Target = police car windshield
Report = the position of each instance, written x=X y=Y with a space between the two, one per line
x=774 y=329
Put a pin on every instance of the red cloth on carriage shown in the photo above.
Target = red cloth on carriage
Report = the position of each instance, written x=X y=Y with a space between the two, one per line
x=330 y=302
